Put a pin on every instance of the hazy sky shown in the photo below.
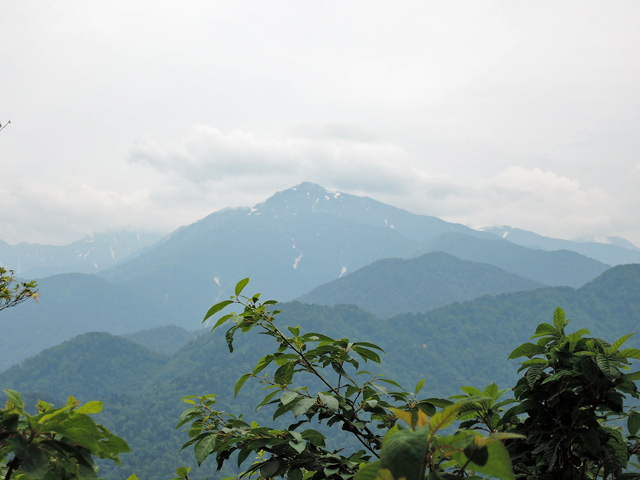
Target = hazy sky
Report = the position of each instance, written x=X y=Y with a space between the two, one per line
x=153 y=114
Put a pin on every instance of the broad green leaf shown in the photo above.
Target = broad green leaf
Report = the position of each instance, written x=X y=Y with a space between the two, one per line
x=133 y=476
x=216 y=308
x=314 y=437
x=544 y=329
x=35 y=462
x=491 y=391
x=295 y=474
x=240 y=383
x=240 y=285
x=527 y=350
x=91 y=407
x=297 y=446
x=329 y=401
x=471 y=391
x=269 y=467
x=498 y=463
x=369 y=472
x=288 y=397
x=15 y=398
x=81 y=437
x=606 y=366
x=633 y=423
x=303 y=406
x=204 y=447
x=403 y=454
x=534 y=373
x=419 y=386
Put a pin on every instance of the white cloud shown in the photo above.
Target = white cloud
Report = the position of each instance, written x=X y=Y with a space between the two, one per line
x=219 y=164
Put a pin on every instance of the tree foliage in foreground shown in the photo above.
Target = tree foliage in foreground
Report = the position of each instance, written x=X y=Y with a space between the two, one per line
x=55 y=443
x=561 y=424
x=13 y=293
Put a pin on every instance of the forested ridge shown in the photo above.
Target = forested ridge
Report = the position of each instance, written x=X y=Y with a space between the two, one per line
x=460 y=344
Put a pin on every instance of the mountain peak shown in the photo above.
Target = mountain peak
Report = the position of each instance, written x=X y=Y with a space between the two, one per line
x=304 y=197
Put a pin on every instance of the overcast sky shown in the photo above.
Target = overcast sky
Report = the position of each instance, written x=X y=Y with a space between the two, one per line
x=153 y=114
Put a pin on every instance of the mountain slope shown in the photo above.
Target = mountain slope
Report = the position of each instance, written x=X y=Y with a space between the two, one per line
x=68 y=305
x=558 y=268
x=91 y=366
x=289 y=244
x=392 y=286
x=618 y=252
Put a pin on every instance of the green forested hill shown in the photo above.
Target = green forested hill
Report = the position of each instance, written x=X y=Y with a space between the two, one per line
x=91 y=366
x=392 y=286
x=557 y=268
x=167 y=340
x=71 y=304
x=460 y=344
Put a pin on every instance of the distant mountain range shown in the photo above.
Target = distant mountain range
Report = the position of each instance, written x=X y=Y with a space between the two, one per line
x=560 y=267
x=290 y=244
x=89 y=255
x=618 y=251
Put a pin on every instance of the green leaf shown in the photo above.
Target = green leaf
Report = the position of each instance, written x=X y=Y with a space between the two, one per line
x=534 y=373
x=216 y=308
x=419 y=386
x=15 y=398
x=269 y=467
x=303 y=406
x=204 y=447
x=631 y=353
x=295 y=474
x=633 y=423
x=297 y=446
x=229 y=337
x=240 y=285
x=240 y=382
x=498 y=463
x=559 y=319
x=403 y=454
x=618 y=343
x=527 y=350
x=90 y=407
x=35 y=462
x=288 y=397
x=492 y=391
x=471 y=391
x=606 y=366
x=330 y=402
x=631 y=376
x=447 y=416
x=544 y=329
x=369 y=472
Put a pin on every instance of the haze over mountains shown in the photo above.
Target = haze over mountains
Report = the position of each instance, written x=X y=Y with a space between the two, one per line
x=439 y=297
x=290 y=244
x=88 y=255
